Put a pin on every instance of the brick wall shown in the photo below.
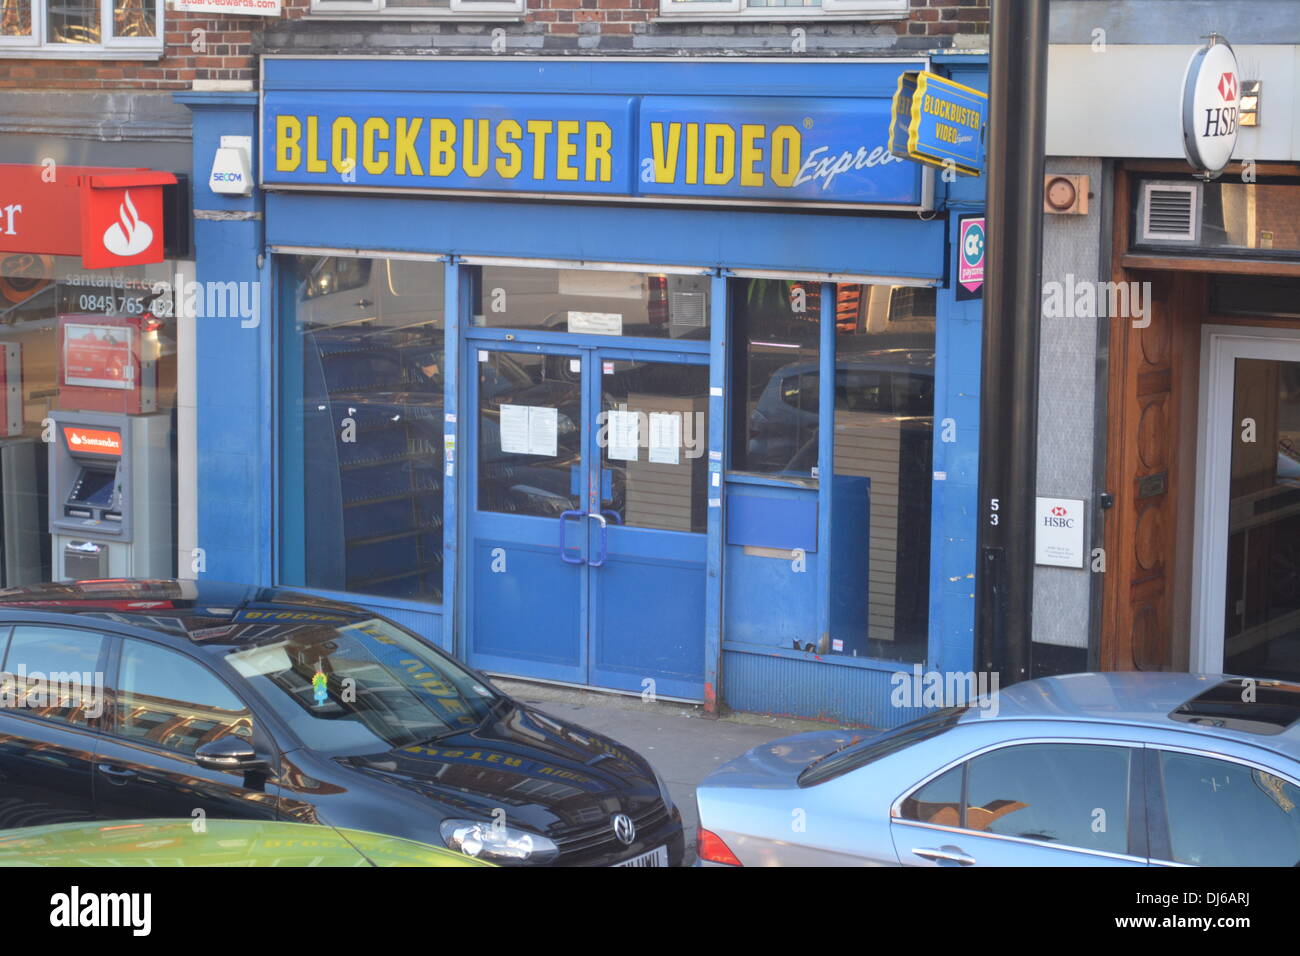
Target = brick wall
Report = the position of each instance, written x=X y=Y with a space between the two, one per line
x=228 y=46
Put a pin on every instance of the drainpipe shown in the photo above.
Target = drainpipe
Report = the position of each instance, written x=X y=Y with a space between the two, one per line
x=1004 y=574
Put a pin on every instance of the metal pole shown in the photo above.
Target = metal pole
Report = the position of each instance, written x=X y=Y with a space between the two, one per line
x=1012 y=304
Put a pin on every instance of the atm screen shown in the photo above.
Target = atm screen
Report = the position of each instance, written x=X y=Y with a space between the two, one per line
x=94 y=488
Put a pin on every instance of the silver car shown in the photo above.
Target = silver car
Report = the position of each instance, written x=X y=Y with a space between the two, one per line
x=1114 y=769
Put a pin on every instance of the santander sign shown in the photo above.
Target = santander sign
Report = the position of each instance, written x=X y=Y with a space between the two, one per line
x=130 y=235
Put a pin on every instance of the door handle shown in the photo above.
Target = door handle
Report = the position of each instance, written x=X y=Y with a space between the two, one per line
x=564 y=552
x=115 y=774
x=946 y=853
x=604 y=539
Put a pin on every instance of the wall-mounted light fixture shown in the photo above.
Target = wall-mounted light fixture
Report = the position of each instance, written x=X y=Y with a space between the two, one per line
x=1248 y=107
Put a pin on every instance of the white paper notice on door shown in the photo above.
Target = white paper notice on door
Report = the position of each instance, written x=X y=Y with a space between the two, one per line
x=514 y=429
x=666 y=438
x=623 y=429
x=543 y=430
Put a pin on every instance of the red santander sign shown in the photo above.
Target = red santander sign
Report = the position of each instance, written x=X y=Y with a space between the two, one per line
x=109 y=217
x=100 y=441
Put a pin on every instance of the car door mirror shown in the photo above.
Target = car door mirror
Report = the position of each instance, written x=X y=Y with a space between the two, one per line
x=228 y=753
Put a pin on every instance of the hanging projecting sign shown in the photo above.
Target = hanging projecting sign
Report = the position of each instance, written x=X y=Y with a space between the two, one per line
x=939 y=122
x=970 y=257
x=1211 y=86
x=110 y=217
x=823 y=150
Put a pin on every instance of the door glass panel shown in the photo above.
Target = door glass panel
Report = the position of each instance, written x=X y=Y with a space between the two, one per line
x=1227 y=814
x=1068 y=794
x=653 y=438
x=529 y=441
x=170 y=701
x=774 y=428
x=54 y=673
x=594 y=302
x=1262 y=630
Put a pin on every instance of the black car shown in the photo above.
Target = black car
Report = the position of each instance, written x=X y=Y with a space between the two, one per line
x=129 y=699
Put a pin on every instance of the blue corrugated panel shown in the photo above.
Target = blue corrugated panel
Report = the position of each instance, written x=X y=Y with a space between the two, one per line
x=785 y=686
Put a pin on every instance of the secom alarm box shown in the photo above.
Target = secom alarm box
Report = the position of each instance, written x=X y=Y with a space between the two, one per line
x=110 y=495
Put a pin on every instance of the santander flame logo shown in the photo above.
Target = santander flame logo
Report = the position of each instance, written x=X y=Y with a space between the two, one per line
x=130 y=235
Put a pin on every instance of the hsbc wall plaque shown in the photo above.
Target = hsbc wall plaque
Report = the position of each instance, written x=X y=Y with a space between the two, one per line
x=1058 y=539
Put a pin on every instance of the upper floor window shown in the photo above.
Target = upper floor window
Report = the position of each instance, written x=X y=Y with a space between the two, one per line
x=419 y=8
x=784 y=9
x=81 y=29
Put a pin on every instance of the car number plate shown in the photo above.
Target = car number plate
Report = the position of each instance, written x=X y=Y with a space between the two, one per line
x=656 y=857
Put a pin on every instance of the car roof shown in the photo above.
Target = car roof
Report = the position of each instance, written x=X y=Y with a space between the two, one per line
x=1143 y=699
x=211 y=615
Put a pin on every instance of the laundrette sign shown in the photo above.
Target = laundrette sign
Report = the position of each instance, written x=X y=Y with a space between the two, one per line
x=824 y=150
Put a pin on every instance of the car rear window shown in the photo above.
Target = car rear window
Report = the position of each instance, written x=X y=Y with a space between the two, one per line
x=882 y=745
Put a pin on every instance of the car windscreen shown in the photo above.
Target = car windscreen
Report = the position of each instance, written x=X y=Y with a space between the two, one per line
x=891 y=741
x=363 y=688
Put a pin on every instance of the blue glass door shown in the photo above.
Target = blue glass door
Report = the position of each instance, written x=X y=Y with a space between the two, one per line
x=585 y=551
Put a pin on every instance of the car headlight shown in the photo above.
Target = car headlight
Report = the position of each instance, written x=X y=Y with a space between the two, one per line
x=497 y=843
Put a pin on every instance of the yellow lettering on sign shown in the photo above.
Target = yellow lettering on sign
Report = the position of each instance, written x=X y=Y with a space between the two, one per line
x=511 y=160
x=343 y=144
x=566 y=150
x=751 y=154
x=600 y=139
x=314 y=163
x=442 y=140
x=692 y=153
x=721 y=164
x=539 y=130
x=375 y=161
x=404 y=146
x=288 y=136
x=475 y=148
x=786 y=149
x=665 y=155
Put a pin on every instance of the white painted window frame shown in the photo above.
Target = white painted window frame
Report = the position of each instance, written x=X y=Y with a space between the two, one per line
x=376 y=8
x=38 y=46
x=739 y=9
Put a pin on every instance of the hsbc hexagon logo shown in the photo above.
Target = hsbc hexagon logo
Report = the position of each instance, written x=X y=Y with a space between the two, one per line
x=1059 y=511
x=1058 y=516
x=1228 y=87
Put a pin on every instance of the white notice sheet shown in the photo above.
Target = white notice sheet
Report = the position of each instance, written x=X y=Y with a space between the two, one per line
x=624 y=434
x=514 y=429
x=666 y=438
x=543 y=431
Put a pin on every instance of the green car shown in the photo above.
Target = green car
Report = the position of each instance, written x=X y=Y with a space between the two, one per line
x=214 y=843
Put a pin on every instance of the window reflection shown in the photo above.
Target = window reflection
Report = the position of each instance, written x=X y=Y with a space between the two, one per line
x=74 y=21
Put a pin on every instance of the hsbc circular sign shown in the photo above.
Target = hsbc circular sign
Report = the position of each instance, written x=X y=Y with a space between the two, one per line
x=1211 y=87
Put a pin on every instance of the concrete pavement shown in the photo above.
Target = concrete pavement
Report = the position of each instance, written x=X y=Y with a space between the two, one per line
x=684 y=745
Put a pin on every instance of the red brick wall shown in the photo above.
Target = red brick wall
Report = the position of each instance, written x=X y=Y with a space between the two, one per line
x=228 y=53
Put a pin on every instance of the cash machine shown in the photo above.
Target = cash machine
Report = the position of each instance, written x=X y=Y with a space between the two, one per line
x=110 y=484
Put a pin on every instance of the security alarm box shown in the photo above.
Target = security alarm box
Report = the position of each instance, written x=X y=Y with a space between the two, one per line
x=110 y=495
x=108 y=363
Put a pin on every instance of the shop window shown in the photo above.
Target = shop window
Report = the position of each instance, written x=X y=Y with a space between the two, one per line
x=785 y=9
x=361 y=498
x=75 y=344
x=118 y=29
x=775 y=372
x=1257 y=220
x=417 y=8
x=593 y=302
x=884 y=431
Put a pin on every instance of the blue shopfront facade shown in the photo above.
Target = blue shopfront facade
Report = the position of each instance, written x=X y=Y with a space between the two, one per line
x=542 y=349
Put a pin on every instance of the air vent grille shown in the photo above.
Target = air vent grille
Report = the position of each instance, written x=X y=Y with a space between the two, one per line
x=1171 y=212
